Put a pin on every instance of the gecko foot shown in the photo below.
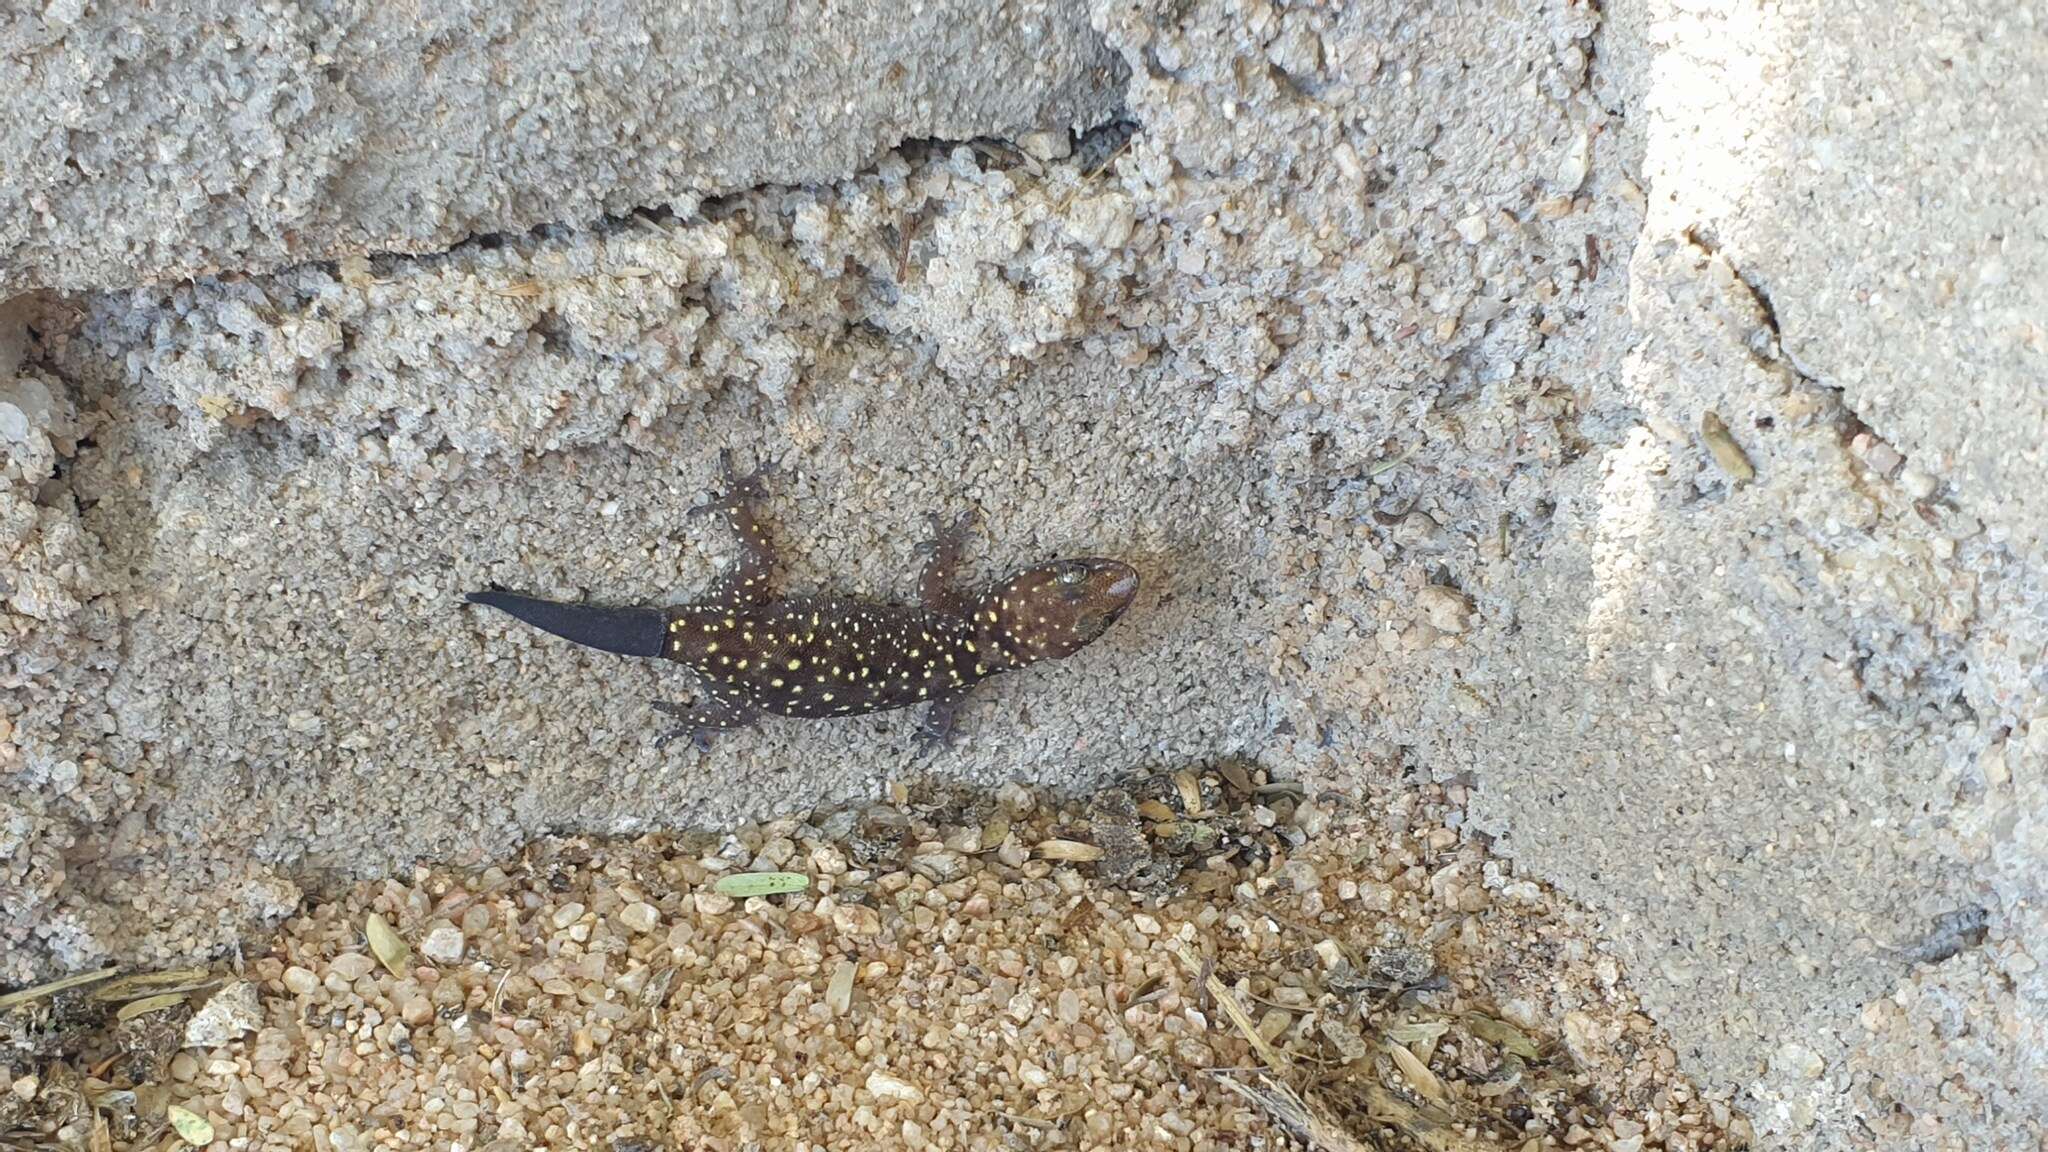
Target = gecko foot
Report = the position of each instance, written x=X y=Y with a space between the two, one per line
x=700 y=738
x=739 y=488
x=948 y=536
x=700 y=721
x=935 y=731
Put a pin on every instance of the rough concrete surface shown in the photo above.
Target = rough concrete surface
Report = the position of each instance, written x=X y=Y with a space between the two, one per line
x=159 y=141
x=1634 y=419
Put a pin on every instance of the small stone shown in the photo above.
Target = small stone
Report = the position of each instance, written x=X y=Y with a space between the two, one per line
x=300 y=981
x=227 y=1015
x=1797 y=1060
x=1297 y=50
x=828 y=860
x=1015 y=798
x=1522 y=1014
x=856 y=920
x=1917 y=484
x=184 y=1066
x=640 y=917
x=1046 y=144
x=443 y=944
x=1582 y=1037
x=939 y=867
x=1343 y=1037
x=1573 y=164
x=416 y=1011
x=713 y=903
x=568 y=914
x=352 y=966
x=1302 y=876
x=886 y=1087
x=773 y=855
x=1883 y=458
x=1102 y=223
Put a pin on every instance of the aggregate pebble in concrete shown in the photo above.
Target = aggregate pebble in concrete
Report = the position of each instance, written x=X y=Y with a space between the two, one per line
x=160 y=141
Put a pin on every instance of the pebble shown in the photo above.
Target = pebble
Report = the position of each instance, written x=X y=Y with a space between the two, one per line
x=1447 y=609
x=352 y=966
x=640 y=916
x=232 y=1012
x=884 y=1086
x=939 y=867
x=443 y=944
x=299 y=981
x=1798 y=1061
x=1916 y=483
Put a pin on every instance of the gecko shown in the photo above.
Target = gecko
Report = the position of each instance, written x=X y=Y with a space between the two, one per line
x=821 y=657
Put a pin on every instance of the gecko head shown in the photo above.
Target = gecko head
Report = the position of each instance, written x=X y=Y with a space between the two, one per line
x=1051 y=611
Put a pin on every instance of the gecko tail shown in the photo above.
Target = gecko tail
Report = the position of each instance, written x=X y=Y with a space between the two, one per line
x=625 y=631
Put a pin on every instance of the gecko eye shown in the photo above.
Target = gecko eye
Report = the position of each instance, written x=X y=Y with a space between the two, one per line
x=1072 y=574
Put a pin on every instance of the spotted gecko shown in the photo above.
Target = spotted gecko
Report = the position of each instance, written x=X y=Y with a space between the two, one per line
x=830 y=656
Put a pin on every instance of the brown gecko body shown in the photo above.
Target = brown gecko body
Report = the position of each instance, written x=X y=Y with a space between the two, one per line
x=828 y=656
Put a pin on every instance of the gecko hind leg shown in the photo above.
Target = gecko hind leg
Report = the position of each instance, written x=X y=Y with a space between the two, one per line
x=935 y=731
x=710 y=714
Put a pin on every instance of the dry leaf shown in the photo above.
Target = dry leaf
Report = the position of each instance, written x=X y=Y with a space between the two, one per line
x=40 y=991
x=1417 y=1073
x=1727 y=453
x=386 y=945
x=746 y=885
x=190 y=1126
x=148 y=1004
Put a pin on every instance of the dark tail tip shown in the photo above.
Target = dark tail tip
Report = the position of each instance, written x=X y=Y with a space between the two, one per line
x=484 y=597
x=625 y=631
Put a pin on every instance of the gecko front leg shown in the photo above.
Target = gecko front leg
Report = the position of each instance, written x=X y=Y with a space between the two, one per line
x=935 y=587
x=747 y=583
